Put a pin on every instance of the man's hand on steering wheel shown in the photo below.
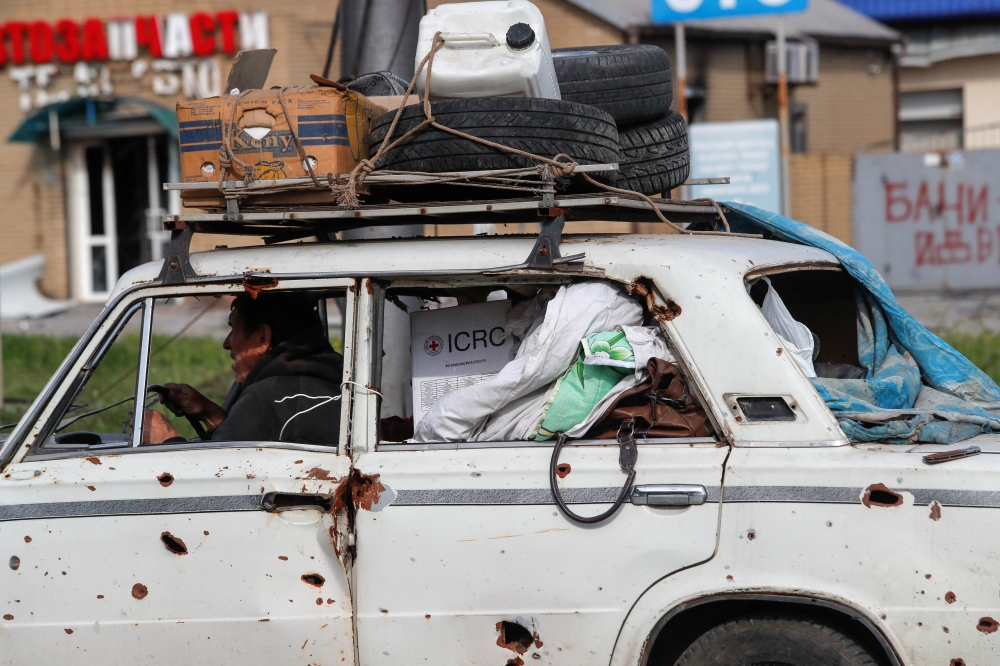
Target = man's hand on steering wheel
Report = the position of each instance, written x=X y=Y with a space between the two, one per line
x=185 y=400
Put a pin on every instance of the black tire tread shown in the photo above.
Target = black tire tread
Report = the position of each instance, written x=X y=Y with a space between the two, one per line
x=631 y=82
x=544 y=127
x=705 y=651
x=654 y=155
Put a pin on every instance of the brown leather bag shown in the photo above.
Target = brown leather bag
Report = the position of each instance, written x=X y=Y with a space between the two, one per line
x=661 y=407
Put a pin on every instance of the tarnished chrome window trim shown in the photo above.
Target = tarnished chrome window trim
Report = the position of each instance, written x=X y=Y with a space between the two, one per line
x=155 y=289
x=180 y=446
x=13 y=443
x=457 y=446
x=753 y=444
x=142 y=372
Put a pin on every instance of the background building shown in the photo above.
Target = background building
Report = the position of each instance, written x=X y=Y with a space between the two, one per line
x=949 y=81
x=90 y=87
x=87 y=94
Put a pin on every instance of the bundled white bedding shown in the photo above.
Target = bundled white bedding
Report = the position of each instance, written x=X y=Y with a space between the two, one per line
x=510 y=405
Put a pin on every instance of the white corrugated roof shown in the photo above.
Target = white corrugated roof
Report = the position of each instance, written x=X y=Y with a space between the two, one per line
x=823 y=19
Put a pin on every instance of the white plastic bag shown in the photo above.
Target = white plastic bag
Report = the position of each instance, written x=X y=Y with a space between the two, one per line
x=795 y=337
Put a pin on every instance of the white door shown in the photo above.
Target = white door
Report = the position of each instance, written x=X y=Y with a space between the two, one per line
x=92 y=221
x=473 y=562
x=190 y=553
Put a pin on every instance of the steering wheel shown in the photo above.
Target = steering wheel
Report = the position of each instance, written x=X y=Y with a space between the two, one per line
x=195 y=423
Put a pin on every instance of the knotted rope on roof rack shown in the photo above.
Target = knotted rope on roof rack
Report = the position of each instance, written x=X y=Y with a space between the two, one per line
x=560 y=166
x=548 y=169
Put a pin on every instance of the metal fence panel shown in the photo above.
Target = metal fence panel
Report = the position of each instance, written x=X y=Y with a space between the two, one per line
x=930 y=222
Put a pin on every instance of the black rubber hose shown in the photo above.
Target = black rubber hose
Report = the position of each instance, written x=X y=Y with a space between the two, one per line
x=586 y=520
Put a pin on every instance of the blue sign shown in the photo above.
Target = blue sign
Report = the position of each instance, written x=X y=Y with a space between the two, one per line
x=747 y=152
x=675 y=11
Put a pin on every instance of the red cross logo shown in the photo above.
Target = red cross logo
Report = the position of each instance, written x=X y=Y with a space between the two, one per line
x=433 y=345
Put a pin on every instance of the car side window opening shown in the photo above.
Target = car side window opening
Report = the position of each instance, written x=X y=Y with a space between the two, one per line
x=97 y=410
x=270 y=374
x=278 y=380
x=436 y=340
x=824 y=302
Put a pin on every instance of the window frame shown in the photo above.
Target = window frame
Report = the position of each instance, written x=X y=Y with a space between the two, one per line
x=66 y=380
x=372 y=303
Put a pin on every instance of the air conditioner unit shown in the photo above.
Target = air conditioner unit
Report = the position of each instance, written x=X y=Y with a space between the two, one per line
x=802 y=62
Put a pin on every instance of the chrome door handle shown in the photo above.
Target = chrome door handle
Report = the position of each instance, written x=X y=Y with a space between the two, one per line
x=669 y=495
x=278 y=502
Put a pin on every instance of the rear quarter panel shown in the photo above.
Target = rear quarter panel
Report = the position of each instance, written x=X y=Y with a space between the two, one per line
x=925 y=571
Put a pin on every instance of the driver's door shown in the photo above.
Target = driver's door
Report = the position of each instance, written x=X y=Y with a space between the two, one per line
x=116 y=553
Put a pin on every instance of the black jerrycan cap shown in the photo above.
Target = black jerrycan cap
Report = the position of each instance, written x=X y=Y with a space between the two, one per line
x=520 y=36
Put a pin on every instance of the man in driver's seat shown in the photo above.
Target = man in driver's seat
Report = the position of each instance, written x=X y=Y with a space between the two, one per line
x=288 y=378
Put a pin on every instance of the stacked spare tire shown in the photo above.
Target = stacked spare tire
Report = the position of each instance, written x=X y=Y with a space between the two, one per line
x=615 y=108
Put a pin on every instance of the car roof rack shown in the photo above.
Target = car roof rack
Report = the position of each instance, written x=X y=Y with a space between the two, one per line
x=281 y=223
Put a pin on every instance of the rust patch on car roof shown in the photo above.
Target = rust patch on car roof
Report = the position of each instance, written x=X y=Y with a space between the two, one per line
x=254 y=284
x=93 y=459
x=935 y=511
x=878 y=494
x=662 y=312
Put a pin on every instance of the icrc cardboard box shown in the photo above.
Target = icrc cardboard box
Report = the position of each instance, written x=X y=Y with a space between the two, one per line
x=332 y=124
x=455 y=347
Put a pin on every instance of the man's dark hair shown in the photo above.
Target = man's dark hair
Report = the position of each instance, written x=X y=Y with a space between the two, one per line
x=287 y=313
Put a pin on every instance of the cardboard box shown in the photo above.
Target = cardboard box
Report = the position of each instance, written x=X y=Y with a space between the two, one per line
x=392 y=102
x=333 y=126
x=455 y=347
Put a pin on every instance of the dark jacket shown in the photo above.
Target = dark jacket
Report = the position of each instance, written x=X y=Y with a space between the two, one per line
x=292 y=394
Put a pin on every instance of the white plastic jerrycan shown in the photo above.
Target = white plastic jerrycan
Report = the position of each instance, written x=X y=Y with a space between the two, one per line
x=491 y=49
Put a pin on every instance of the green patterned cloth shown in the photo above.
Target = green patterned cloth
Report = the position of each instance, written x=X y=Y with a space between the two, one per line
x=604 y=360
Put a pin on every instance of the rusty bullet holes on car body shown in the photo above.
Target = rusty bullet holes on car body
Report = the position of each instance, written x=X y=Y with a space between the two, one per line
x=950 y=598
x=563 y=470
x=14 y=562
x=987 y=625
x=514 y=637
x=313 y=579
x=662 y=312
x=878 y=494
x=139 y=591
x=173 y=544
x=165 y=479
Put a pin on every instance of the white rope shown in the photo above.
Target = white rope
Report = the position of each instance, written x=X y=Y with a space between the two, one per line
x=327 y=399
